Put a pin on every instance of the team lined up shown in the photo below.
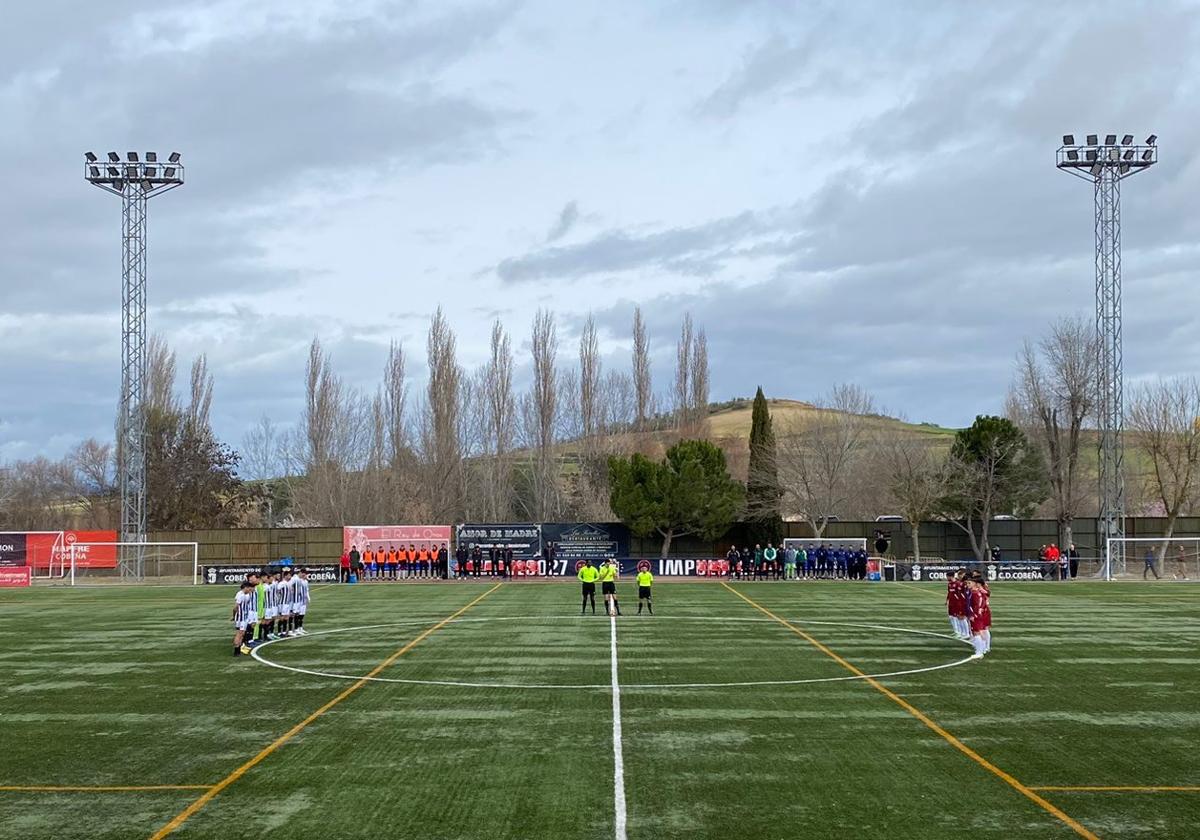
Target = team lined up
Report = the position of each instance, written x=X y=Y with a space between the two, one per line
x=968 y=601
x=268 y=607
x=792 y=563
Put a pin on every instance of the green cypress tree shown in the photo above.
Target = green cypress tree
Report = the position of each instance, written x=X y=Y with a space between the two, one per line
x=762 y=478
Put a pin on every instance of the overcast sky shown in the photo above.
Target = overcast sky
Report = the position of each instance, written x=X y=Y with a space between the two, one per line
x=858 y=192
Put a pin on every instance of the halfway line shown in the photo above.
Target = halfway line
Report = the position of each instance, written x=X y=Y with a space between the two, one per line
x=618 y=758
x=211 y=793
x=1012 y=781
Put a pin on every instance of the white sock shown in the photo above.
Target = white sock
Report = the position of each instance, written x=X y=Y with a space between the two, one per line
x=987 y=641
x=954 y=625
x=977 y=643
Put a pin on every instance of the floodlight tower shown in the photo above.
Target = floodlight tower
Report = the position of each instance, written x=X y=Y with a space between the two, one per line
x=135 y=182
x=1106 y=165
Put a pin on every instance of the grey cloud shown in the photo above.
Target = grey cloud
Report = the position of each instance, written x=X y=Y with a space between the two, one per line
x=620 y=250
x=565 y=222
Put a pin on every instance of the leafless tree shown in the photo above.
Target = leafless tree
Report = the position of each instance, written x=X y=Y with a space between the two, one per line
x=589 y=378
x=1164 y=424
x=698 y=403
x=1051 y=399
x=444 y=445
x=160 y=377
x=260 y=450
x=322 y=395
x=916 y=480
x=817 y=454
x=683 y=381
x=643 y=390
x=200 y=395
x=395 y=404
x=544 y=408
x=499 y=408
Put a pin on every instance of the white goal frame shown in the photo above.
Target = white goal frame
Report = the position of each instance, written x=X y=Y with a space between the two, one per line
x=1124 y=556
x=136 y=573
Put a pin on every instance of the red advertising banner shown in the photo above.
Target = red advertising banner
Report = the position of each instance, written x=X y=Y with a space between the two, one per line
x=376 y=537
x=11 y=576
x=46 y=548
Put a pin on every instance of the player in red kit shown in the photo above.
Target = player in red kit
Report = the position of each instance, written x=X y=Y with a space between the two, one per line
x=981 y=616
x=956 y=604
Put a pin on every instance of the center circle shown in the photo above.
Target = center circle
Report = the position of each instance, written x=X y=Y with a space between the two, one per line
x=257 y=654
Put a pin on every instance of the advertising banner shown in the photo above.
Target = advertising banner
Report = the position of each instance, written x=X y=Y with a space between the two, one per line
x=524 y=539
x=12 y=549
x=585 y=540
x=384 y=537
x=1012 y=570
x=43 y=549
x=233 y=574
x=11 y=576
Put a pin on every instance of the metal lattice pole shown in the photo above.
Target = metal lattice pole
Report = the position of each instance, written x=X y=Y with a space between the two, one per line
x=136 y=182
x=1106 y=165
x=1110 y=396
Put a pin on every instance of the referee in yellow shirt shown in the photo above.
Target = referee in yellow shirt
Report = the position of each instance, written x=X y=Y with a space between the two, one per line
x=587 y=577
x=608 y=587
x=644 y=579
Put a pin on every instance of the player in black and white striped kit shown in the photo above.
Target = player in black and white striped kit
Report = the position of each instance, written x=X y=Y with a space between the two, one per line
x=271 y=609
x=300 y=603
x=287 y=601
x=244 y=616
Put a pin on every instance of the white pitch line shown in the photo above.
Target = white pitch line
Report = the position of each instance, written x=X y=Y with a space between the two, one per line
x=618 y=758
x=603 y=686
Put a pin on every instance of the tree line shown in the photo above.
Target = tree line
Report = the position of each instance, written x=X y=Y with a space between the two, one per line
x=470 y=445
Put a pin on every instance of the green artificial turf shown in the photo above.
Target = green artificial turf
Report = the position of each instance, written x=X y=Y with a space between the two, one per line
x=1088 y=684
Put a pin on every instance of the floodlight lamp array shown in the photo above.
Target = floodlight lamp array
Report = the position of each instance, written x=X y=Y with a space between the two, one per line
x=1092 y=158
x=145 y=173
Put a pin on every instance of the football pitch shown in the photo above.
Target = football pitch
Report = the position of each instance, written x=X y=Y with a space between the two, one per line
x=474 y=710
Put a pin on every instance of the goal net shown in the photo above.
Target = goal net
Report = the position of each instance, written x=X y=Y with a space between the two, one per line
x=131 y=562
x=1151 y=558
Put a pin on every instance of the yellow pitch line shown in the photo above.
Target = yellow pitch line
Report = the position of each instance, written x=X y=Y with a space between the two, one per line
x=96 y=788
x=1120 y=788
x=211 y=793
x=1011 y=780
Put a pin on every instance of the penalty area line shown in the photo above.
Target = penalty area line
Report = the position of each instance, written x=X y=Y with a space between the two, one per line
x=1011 y=780
x=210 y=794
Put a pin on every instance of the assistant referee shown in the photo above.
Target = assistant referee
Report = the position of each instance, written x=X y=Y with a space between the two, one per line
x=587 y=576
x=644 y=579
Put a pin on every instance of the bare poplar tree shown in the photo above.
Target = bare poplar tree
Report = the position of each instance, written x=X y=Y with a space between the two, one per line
x=160 y=378
x=1052 y=397
x=1164 y=423
x=699 y=383
x=395 y=404
x=500 y=432
x=444 y=452
x=200 y=395
x=544 y=407
x=642 y=387
x=683 y=369
x=589 y=379
x=323 y=390
x=261 y=451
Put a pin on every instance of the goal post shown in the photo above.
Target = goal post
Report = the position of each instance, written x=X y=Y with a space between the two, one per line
x=1152 y=558
x=133 y=562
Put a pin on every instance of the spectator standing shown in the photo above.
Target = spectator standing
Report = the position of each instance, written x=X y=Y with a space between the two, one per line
x=344 y=565
x=1181 y=558
x=1073 y=560
x=732 y=558
x=789 y=563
